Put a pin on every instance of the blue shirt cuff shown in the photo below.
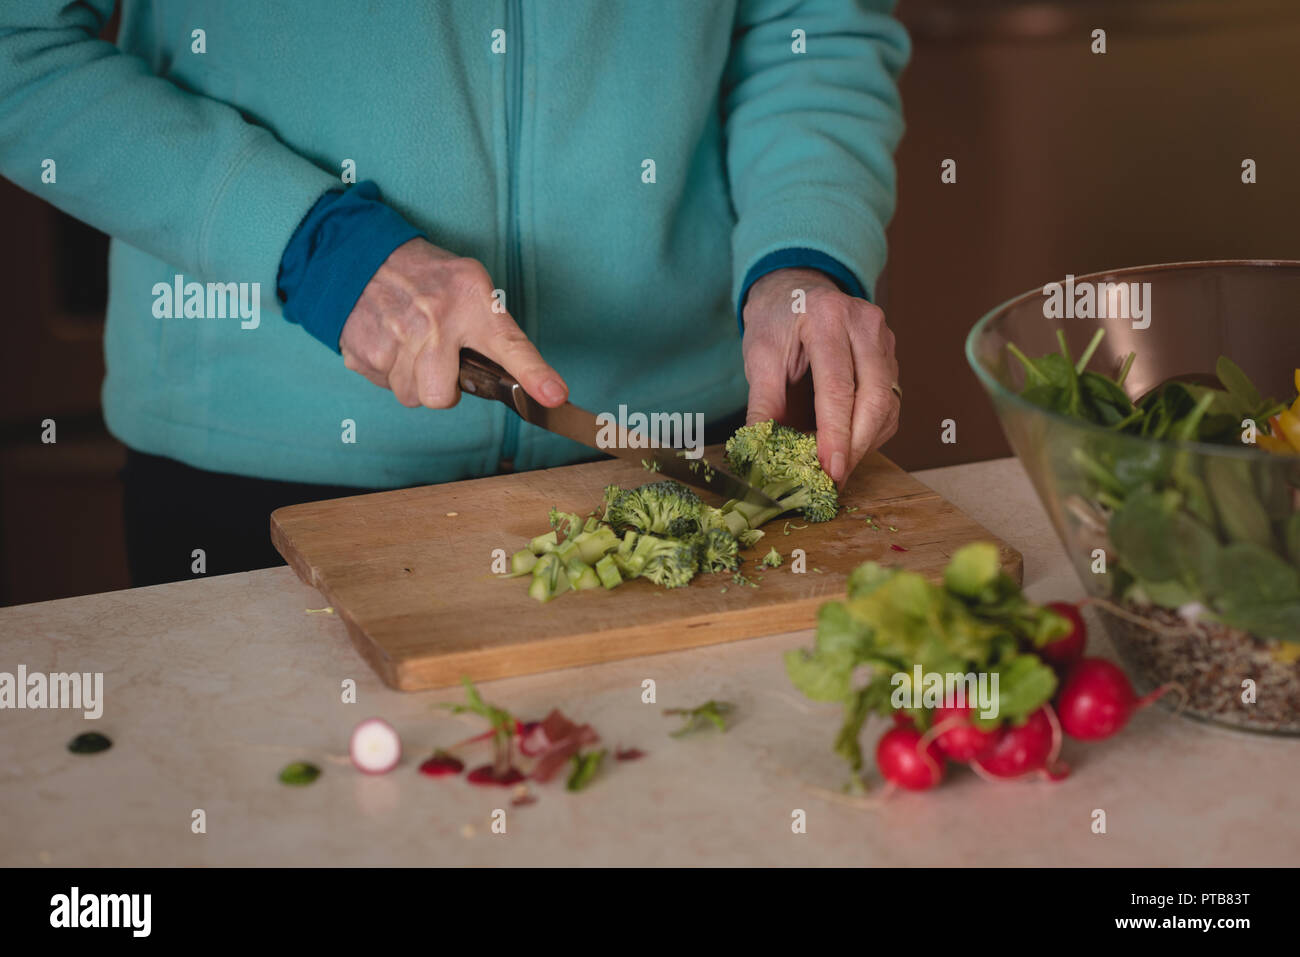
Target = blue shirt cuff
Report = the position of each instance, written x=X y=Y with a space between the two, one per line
x=797 y=257
x=337 y=248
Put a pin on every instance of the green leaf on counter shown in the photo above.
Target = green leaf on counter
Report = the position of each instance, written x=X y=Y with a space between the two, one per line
x=585 y=767
x=91 y=742
x=503 y=723
x=711 y=712
x=299 y=773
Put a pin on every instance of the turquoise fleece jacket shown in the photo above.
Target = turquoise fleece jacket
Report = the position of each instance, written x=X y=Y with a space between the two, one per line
x=618 y=167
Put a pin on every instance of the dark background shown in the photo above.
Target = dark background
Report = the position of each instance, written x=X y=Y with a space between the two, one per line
x=1066 y=162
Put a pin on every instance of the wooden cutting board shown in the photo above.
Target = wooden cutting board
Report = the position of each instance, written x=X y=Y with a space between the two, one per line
x=410 y=572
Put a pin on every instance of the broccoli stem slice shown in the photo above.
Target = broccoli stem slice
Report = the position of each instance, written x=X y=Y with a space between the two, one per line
x=544 y=543
x=549 y=579
x=592 y=545
x=756 y=514
x=608 y=573
x=522 y=562
x=581 y=575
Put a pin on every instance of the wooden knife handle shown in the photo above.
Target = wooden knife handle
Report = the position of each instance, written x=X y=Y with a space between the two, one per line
x=482 y=377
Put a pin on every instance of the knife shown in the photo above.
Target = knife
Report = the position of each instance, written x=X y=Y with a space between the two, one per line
x=480 y=376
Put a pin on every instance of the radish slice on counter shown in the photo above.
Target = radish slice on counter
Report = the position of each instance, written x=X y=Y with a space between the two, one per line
x=375 y=747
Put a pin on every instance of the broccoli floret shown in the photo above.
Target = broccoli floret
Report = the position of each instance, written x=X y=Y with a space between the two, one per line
x=566 y=523
x=612 y=492
x=717 y=550
x=664 y=561
x=783 y=463
x=749 y=537
x=771 y=560
x=662 y=508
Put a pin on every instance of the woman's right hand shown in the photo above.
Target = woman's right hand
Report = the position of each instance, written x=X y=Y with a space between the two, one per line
x=418 y=311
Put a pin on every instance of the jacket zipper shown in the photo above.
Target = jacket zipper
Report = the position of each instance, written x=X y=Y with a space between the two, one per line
x=514 y=122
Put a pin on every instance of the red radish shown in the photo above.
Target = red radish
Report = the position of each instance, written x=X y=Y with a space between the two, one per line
x=375 y=747
x=1019 y=750
x=902 y=762
x=903 y=720
x=1068 y=649
x=957 y=737
x=1097 y=700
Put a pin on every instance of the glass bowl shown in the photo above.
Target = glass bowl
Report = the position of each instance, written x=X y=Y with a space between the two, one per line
x=1216 y=524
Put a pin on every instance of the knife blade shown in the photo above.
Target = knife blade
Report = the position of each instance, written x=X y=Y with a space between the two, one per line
x=480 y=376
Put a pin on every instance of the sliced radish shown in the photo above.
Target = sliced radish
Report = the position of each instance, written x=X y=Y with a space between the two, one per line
x=375 y=747
x=532 y=739
x=442 y=764
x=489 y=775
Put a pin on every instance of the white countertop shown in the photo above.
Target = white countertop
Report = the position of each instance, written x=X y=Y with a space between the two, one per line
x=212 y=686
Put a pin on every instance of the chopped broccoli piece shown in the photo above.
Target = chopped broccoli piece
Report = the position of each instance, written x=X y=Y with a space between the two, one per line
x=711 y=518
x=625 y=547
x=581 y=575
x=592 y=545
x=716 y=550
x=522 y=562
x=662 y=508
x=544 y=543
x=612 y=492
x=549 y=579
x=566 y=523
x=608 y=573
x=772 y=559
x=749 y=537
x=664 y=561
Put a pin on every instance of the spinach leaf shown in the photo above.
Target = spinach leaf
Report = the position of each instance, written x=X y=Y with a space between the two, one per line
x=1238 y=384
x=1140 y=533
x=1241 y=516
x=1252 y=576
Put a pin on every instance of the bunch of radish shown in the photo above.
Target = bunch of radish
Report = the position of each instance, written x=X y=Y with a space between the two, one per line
x=1094 y=700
